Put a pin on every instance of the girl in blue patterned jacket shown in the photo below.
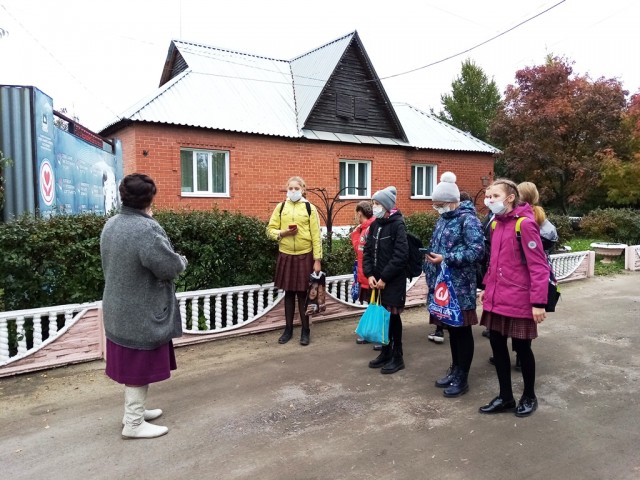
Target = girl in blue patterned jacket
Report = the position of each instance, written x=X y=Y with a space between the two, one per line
x=459 y=242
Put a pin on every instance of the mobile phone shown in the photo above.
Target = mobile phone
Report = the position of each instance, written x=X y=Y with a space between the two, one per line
x=425 y=251
x=292 y=226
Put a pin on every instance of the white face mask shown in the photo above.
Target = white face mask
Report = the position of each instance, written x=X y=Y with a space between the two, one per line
x=378 y=211
x=294 y=195
x=442 y=210
x=497 y=208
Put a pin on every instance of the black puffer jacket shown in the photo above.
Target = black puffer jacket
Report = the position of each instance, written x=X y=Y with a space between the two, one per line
x=386 y=254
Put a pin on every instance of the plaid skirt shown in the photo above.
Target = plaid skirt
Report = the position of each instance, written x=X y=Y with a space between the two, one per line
x=292 y=272
x=131 y=366
x=521 y=328
x=469 y=317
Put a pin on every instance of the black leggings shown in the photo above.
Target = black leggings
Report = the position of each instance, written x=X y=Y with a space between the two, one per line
x=395 y=332
x=462 y=346
x=290 y=307
x=503 y=364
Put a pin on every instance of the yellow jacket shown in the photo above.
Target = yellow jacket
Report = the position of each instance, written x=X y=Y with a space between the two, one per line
x=307 y=238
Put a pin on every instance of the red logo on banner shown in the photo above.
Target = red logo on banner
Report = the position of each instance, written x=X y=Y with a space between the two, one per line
x=46 y=183
x=441 y=294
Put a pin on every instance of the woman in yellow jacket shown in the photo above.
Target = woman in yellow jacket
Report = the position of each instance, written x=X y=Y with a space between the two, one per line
x=295 y=225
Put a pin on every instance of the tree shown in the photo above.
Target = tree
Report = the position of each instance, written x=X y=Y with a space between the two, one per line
x=4 y=162
x=556 y=127
x=473 y=102
x=621 y=173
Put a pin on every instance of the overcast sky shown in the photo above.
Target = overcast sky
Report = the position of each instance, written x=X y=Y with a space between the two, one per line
x=97 y=58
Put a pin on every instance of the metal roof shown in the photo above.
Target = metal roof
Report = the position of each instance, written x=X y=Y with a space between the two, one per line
x=233 y=91
x=311 y=72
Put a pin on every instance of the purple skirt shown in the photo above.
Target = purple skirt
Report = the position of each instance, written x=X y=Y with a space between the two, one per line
x=131 y=366
x=292 y=272
x=521 y=328
x=469 y=317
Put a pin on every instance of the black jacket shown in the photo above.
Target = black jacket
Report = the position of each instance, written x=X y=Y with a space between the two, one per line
x=386 y=254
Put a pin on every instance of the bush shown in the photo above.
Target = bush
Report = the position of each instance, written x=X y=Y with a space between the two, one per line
x=564 y=226
x=224 y=249
x=620 y=225
x=421 y=225
x=50 y=262
x=340 y=260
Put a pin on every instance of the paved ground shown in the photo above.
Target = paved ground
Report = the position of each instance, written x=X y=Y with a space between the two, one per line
x=250 y=408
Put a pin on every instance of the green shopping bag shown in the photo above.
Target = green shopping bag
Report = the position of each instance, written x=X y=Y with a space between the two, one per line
x=374 y=323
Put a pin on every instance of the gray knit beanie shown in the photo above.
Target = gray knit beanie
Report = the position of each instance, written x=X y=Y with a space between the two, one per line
x=386 y=197
x=446 y=190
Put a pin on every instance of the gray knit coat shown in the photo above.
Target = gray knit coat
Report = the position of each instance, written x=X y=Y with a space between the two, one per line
x=139 y=305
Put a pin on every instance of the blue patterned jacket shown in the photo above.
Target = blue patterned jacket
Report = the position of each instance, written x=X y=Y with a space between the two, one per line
x=458 y=236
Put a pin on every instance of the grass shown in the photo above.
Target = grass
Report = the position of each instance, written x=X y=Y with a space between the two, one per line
x=584 y=244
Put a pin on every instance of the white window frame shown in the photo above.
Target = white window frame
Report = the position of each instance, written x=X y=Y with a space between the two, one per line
x=207 y=193
x=414 y=176
x=347 y=162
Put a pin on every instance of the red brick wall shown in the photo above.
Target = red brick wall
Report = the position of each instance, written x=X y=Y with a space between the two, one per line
x=260 y=166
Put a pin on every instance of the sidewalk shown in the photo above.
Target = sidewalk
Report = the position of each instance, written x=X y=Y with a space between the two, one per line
x=250 y=408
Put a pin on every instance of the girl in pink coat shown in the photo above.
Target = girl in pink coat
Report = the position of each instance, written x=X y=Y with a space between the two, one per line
x=515 y=295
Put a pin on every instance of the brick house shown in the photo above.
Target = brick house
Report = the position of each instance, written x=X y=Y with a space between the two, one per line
x=227 y=129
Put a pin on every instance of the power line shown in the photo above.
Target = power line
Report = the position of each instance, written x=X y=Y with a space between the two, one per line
x=475 y=46
x=35 y=39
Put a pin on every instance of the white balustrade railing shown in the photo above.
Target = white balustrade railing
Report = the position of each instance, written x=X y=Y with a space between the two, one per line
x=202 y=312
x=564 y=264
x=25 y=331
x=222 y=309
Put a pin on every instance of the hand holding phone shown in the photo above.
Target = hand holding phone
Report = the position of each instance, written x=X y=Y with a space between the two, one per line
x=425 y=251
x=293 y=226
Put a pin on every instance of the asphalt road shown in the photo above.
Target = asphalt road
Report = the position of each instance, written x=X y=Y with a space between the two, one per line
x=250 y=408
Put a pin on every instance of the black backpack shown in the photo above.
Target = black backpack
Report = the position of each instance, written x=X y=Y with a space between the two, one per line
x=416 y=257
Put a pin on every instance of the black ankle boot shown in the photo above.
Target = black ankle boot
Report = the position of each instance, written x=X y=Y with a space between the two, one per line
x=459 y=385
x=304 y=336
x=286 y=335
x=384 y=357
x=445 y=381
x=396 y=363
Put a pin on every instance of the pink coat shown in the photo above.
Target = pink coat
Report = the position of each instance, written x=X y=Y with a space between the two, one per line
x=358 y=239
x=513 y=288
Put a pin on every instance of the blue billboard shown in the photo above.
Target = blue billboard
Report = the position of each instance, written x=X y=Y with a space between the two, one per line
x=53 y=170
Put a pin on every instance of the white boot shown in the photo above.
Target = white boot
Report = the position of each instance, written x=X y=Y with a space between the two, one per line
x=135 y=425
x=149 y=415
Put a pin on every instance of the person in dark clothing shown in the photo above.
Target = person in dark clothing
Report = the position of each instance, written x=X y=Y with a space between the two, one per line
x=386 y=254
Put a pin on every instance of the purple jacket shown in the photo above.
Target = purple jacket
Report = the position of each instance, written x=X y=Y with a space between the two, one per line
x=512 y=287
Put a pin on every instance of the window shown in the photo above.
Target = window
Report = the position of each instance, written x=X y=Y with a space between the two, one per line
x=204 y=173
x=423 y=180
x=355 y=178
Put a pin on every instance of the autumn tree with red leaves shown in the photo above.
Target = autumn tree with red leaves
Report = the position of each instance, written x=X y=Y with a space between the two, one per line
x=555 y=128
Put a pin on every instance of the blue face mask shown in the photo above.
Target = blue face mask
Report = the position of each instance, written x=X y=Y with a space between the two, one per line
x=294 y=195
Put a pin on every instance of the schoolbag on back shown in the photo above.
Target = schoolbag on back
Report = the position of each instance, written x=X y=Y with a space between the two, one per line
x=414 y=264
x=553 y=291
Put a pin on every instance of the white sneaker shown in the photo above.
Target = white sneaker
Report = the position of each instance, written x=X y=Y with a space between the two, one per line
x=438 y=336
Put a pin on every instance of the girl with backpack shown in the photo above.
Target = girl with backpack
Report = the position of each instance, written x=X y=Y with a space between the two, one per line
x=514 y=299
x=459 y=242
x=294 y=224
x=385 y=258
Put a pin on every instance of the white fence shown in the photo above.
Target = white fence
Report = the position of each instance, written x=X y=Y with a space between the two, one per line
x=205 y=314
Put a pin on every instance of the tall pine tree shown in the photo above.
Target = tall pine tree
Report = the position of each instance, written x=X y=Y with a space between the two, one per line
x=473 y=102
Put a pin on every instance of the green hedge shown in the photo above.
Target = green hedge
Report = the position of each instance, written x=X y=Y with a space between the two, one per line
x=613 y=225
x=57 y=261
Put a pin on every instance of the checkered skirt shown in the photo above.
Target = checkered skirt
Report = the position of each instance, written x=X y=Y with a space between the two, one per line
x=469 y=317
x=522 y=328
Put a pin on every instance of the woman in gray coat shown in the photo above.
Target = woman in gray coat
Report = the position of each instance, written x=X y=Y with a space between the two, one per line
x=140 y=311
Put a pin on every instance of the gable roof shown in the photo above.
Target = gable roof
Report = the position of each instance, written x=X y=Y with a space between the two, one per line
x=208 y=87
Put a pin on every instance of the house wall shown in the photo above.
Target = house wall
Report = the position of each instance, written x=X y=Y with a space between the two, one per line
x=260 y=166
